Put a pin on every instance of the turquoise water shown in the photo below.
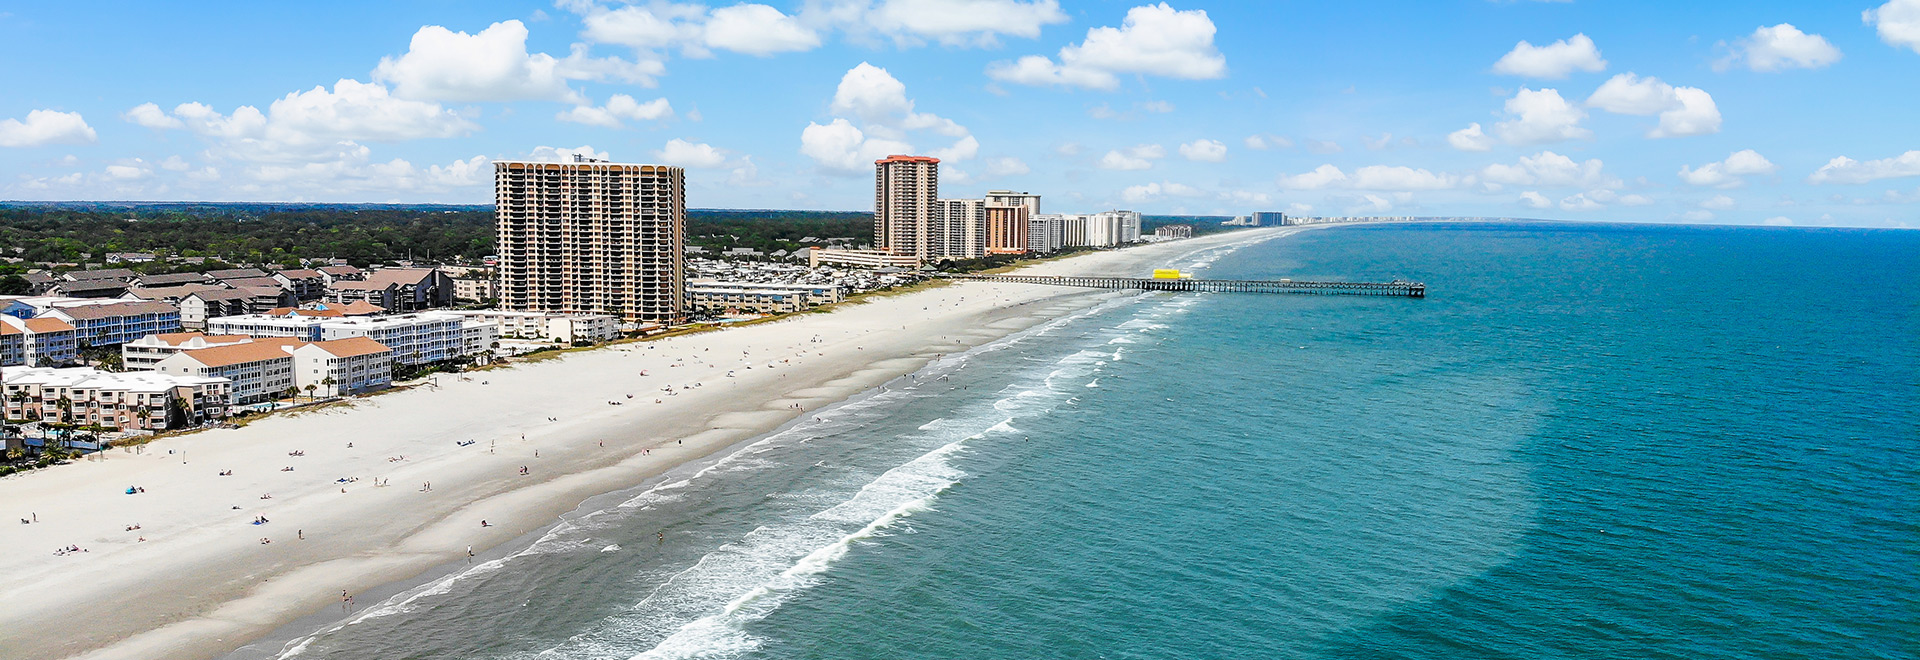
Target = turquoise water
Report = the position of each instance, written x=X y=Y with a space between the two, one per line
x=1590 y=441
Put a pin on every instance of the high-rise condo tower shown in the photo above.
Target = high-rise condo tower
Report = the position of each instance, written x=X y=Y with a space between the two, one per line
x=591 y=236
x=904 y=190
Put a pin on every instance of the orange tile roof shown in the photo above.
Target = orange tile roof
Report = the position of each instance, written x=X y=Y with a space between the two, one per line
x=49 y=325
x=362 y=308
x=295 y=311
x=254 y=351
x=352 y=346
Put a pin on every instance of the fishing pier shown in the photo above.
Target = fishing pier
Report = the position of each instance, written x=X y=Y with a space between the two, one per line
x=1395 y=288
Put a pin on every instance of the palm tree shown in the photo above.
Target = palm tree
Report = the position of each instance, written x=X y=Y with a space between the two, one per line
x=310 y=388
x=328 y=381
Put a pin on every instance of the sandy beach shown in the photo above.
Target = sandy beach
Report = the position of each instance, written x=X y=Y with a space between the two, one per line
x=393 y=485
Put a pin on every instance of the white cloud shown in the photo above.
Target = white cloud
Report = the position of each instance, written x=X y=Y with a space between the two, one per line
x=620 y=106
x=1727 y=173
x=1718 y=203
x=1779 y=47
x=151 y=116
x=1535 y=200
x=1581 y=202
x=1153 y=40
x=1246 y=197
x=1540 y=117
x=758 y=30
x=1209 y=151
x=1470 y=138
x=1324 y=147
x=690 y=154
x=492 y=65
x=175 y=164
x=1161 y=107
x=841 y=146
x=955 y=22
x=1898 y=23
x=319 y=124
x=886 y=117
x=643 y=28
x=1847 y=170
x=1697 y=215
x=1554 y=60
x=1260 y=142
x=44 y=127
x=1007 y=166
x=1132 y=158
x=1777 y=221
x=1371 y=204
x=546 y=154
x=131 y=170
x=1322 y=177
x=1151 y=191
x=1550 y=169
x=1299 y=208
x=1371 y=177
x=1683 y=110
x=1635 y=200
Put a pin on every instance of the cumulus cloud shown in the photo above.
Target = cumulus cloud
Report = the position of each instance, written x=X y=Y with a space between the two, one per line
x=1581 y=202
x=1683 y=110
x=1535 y=200
x=1847 y=170
x=757 y=30
x=1007 y=166
x=1371 y=177
x=951 y=22
x=1153 y=40
x=1209 y=151
x=1471 y=138
x=1552 y=61
x=1150 y=191
x=1132 y=158
x=1263 y=142
x=547 y=154
x=1552 y=170
x=1718 y=203
x=44 y=127
x=1539 y=117
x=692 y=155
x=887 y=118
x=494 y=65
x=1727 y=173
x=1898 y=23
x=620 y=106
x=151 y=116
x=1780 y=47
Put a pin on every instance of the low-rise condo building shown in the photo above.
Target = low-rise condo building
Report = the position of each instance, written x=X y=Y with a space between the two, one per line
x=143 y=353
x=124 y=401
x=37 y=342
x=715 y=297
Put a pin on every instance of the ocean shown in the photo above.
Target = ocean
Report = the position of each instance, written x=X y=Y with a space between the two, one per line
x=1588 y=441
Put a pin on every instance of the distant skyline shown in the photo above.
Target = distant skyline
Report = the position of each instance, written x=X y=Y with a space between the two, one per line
x=1738 y=113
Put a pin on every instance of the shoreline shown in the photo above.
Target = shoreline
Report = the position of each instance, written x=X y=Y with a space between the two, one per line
x=240 y=595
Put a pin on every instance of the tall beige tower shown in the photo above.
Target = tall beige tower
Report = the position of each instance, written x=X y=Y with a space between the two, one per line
x=592 y=236
x=904 y=190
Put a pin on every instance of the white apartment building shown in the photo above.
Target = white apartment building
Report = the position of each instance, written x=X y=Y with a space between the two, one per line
x=124 y=401
x=565 y=328
x=259 y=370
x=414 y=338
x=37 y=342
x=342 y=366
x=960 y=228
x=817 y=257
x=143 y=353
x=760 y=298
x=592 y=237
x=904 y=191
x=268 y=368
x=1049 y=233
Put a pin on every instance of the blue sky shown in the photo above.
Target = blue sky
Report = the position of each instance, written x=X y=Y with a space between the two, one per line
x=1733 y=112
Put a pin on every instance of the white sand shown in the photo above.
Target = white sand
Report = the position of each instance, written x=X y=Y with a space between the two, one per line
x=202 y=583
